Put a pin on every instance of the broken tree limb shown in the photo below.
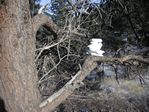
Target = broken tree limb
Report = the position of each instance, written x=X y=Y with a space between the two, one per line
x=57 y=98
x=122 y=59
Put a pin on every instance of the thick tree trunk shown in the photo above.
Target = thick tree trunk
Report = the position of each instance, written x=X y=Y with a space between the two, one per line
x=17 y=70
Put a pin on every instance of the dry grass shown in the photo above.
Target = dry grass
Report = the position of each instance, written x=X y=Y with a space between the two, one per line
x=128 y=96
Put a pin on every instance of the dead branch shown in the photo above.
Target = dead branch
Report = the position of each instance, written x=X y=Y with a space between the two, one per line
x=48 y=23
x=42 y=19
x=40 y=80
x=57 y=98
x=122 y=60
x=48 y=47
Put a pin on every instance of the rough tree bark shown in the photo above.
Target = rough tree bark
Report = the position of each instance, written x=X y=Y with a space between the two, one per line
x=18 y=77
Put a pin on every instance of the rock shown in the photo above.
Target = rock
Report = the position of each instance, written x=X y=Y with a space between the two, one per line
x=109 y=70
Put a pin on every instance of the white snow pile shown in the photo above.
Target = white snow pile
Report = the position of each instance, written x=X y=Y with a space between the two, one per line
x=95 y=47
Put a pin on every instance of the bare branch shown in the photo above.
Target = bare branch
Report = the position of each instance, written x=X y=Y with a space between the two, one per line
x=40 y=80
x=123 y=59
x=57 y=98
x=48 y=23
x=48 y=47
x=42 y=19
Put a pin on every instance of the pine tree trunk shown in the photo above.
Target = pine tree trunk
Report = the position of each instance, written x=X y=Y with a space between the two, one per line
x=18 y=77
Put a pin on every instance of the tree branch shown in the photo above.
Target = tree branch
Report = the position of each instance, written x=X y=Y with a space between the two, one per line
x=47 y=22
x=42 y=19
x=123 y=59
x=57 y=98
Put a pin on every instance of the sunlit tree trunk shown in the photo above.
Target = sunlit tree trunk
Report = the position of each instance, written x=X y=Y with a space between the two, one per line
x=17 y=70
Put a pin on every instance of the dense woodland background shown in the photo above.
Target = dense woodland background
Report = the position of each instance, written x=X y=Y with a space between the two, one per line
x=119 y=82
x=111 y=87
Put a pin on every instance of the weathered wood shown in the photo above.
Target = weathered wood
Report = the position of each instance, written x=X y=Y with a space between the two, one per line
x=18 y=77
x=42 y=19
x=57 y=98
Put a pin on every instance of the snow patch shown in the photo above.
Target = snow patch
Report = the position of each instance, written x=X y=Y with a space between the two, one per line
x=95 y=47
